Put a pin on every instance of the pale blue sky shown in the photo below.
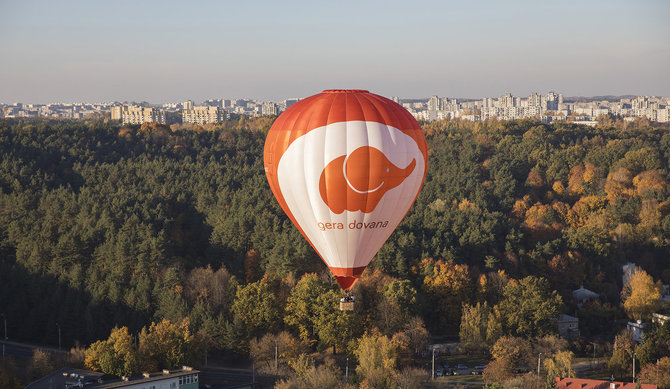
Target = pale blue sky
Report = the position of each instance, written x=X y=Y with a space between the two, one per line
x=162 y=51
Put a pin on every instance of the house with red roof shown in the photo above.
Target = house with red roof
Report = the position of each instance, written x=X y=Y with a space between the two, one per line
x=579 y=383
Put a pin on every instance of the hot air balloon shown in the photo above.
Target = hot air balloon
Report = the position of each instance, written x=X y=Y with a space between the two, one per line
x=346 y=166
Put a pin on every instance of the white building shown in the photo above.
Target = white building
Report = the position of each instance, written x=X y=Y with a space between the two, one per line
x=184 y=378
x=434 y=103
x=269 y=108
x=636 y=329
x=133 y=114
x=205 y=114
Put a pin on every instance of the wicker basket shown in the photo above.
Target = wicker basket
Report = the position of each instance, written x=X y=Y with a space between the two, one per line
x=346 y=305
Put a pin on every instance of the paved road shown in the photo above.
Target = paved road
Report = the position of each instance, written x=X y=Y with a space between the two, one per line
x=10 y=350
x=23 y=350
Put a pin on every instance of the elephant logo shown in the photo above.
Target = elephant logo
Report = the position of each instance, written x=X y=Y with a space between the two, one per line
x=358 y=181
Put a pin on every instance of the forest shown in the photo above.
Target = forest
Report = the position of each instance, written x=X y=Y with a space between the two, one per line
x=110 y=229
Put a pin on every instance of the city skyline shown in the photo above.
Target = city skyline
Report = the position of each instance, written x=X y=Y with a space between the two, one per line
x=170 y=51
x=544 y=107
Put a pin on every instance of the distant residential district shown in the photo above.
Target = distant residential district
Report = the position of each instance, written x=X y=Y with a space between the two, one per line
x=544 y=107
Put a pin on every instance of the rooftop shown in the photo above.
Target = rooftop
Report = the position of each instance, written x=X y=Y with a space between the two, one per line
x=68 y=377
x=579 y=383
x=584 y=294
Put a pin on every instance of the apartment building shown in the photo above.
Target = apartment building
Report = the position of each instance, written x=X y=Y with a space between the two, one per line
x=205 y=114
x=133 y=114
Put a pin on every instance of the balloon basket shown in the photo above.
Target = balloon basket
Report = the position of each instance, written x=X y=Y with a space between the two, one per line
x=347 y=302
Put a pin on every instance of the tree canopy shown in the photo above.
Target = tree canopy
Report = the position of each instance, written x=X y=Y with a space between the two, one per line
x=105 y=227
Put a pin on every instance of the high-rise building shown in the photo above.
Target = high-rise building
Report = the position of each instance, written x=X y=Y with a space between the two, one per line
x=534 y=100
x=206 y=114
x=449 y=105
x=434 y=103
x=550 y=101
x=506 y=100
x=133 y=114
x=290 y=102
x=116 y=113
x=269 y=108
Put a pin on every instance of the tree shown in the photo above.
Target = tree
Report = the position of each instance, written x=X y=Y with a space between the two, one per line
x=559 y=365
x=656 y=373
x=217 y=288
x=495 y=286
x=411 y=378
x=622 y=356
x=513 y=352
x=655 y=344
x=41 y=363
x=640 y=160
x=308 y=375
x=331 y=326
x=493 y=327
x=549 y=345
x=535 y=179
x=397 y=303
x=256 y=305
x=252 y=271
x=77 y=356
x=474 y=325
x=650 y=217
x=575 y=179
x=414 y=336
x=541 y=221
x=649 y=180
x=302 y=306
x=645 y=296
x=8 y=378
x=170 y=303
x=370 y=287
x=529 y=307
x=264 y=350
x=167 y=345
x=117 y=226
x=567 y=270
x=497 y=371
x=595 y=318
x=116 y=355
x=375 y=351
x=231 y=335
x=447 y=285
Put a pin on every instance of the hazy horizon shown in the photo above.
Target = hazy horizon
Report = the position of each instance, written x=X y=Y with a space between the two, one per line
x=161 y=52
x=176 y=101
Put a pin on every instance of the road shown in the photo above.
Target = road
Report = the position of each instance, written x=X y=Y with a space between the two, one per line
x=23 y=350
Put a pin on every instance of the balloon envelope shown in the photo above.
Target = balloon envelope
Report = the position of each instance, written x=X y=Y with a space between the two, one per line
x=346 y=166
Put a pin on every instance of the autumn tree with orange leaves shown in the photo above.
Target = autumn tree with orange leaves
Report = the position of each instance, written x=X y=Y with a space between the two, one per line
x=641 y=296
x=448 y=285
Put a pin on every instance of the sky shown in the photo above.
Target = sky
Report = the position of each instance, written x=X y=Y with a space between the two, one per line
x=171 y=51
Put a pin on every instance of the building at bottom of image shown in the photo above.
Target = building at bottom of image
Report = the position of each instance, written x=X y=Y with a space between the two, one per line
x=184 y=378
x=580 y=383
